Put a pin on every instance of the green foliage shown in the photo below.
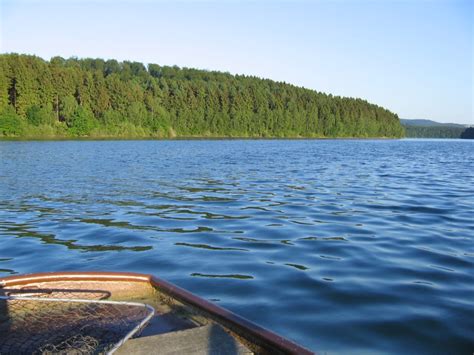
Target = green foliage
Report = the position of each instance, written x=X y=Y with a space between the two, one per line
x=433 y=131
x=67 y=107
x=40 y=115
x=81 y=122
x=97 y=98
x=112 y=118
x=11 y=123
x=5 y=82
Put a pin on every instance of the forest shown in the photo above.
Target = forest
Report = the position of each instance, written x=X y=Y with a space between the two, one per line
x=434 y=131
x=468 y=133
x=96 y=98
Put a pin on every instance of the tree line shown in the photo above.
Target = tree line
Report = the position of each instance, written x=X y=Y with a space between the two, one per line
x=106 y=98
x=433 y=131
x=468 y=133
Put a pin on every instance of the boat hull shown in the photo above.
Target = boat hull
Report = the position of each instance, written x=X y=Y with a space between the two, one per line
x=126 y=286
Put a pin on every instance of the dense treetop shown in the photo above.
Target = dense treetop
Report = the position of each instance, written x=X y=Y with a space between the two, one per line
x=105 y=98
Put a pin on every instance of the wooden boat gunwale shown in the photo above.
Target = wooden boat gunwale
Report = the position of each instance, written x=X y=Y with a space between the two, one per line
x=264 y=338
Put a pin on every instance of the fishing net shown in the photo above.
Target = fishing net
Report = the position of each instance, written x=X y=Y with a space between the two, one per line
x=37 y=292
x=35 y=325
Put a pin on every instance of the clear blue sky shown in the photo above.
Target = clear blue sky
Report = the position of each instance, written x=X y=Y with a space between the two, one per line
x=413 y=57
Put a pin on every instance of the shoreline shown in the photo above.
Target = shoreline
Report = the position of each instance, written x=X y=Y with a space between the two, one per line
x=190 y=138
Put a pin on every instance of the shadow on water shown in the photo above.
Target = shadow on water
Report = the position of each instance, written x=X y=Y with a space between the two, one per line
x=209 y=247
x=223 y=276
x=22 y=231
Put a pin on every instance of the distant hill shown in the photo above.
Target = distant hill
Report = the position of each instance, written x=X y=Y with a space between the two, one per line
x=427 y=123
x=420 y=128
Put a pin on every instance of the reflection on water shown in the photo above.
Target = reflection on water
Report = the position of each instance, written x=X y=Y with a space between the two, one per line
x=230 y=276
x=299 y=267
x=24 y=231
x=205 y=246
x=344 y=246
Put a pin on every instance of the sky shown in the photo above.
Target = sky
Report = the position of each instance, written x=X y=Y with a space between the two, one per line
x=414 y=57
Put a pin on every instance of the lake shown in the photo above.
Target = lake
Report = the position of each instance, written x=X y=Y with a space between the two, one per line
x=345 y=246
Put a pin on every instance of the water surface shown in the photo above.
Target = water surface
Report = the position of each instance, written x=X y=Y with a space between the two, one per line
x=343 y=246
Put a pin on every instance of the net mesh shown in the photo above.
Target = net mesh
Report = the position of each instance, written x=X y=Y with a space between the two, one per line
x=31 y=325
x=84 y=294
x=87 y=294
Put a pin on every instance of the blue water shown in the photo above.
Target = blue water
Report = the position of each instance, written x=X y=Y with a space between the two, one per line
x=342 y=246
